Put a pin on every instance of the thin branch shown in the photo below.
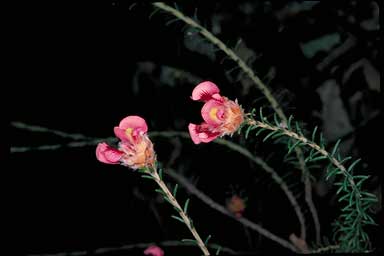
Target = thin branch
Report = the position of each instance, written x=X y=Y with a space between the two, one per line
x=35 y=128
x=73 y=144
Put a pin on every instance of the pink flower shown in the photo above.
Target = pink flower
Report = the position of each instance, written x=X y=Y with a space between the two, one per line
x=154 y=250
x=221 y=115
x=236 y=205
x=135 y=150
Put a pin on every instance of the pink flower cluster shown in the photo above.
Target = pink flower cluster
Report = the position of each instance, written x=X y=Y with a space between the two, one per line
x=221 y=115
x=135 y=150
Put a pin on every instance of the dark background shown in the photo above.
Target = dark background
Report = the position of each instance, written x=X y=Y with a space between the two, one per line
x=84 y=68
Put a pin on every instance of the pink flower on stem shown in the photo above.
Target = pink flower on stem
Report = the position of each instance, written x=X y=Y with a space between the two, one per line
x=154 y=250
x=221 y=115
x=135 y=150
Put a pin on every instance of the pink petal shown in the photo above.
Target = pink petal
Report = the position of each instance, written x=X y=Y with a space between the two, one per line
x=213 y=112
x=205 y=91
x=202 y=133
x=154 y=250
x=120 y=133
x=134 y=122
x=108 y=154
x=194 y=135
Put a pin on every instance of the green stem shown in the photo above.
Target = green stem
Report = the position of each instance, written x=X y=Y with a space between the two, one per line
x=180 y=210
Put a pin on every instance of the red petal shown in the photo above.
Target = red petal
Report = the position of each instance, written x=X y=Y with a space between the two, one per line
x=205 y=91
x=134 y=122
x=212 y=112
x=108 y=154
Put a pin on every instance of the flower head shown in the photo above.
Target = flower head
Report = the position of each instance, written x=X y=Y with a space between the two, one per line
x=135 y=149
x=236 y=205
x=221 y=115
x=154 y=250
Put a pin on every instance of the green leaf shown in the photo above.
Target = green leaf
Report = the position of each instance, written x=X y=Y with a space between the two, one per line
x=161 y=174
x=323 y=43
x=346 y=208
x=289 y=122
x=322 y=142
x=341 y=189
x=175 y=190
x=185 y=208
x=318 y=158
x=218 y=250
x=191 y=222
x=293 y=147
x=368 y=194
x=277 y=123
x=314 y=133
x=364 y=236
x=177 y=209
x=370 y=220
x=331 y=173
x=344 y=197
x=167 y=199
x=370 y=200
x=148 y=177
x=298 y=129
x=253 y=111
x=160 y=191
x=261 y=114
x=270 y=134
x=142 y=170
x=351 y=199
x=178 y=218
x=207 y=239
x=249 y=129
x=153 y=13
x=353 y=164
x=171 y=21
x=260 y=131
x=362 y=179
x=345 y=159
x=189 y=241
x=350 y=216
x=335 y=147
